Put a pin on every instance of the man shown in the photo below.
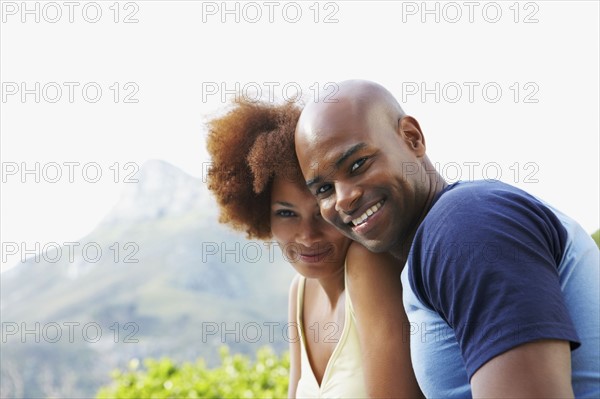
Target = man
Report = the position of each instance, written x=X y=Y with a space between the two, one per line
x=501 y=290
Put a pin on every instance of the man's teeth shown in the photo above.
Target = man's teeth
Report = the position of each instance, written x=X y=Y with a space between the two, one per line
x=362 y=218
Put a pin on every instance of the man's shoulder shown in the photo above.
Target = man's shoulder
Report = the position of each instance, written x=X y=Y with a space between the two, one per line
x=477 y=192
x=464 y=203
x=489 y=212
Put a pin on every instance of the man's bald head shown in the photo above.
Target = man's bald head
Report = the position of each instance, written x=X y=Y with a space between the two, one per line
x=353 y=96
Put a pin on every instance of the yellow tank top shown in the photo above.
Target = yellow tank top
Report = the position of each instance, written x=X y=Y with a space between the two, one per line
x=343 y=377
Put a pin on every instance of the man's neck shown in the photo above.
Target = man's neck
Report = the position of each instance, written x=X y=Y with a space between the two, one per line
x=436 y=185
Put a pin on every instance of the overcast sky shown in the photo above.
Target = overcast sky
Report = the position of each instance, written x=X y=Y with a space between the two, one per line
x=501 y=89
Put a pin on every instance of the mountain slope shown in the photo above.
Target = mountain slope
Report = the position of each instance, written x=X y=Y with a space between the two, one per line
x=170 y=281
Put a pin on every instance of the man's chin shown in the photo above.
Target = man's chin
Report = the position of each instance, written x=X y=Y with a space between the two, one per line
x=374 y=245
x=346 y=231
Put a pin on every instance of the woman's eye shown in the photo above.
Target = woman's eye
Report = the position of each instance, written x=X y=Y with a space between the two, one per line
x=357 y=164
x=323 y=189
x=286 y=213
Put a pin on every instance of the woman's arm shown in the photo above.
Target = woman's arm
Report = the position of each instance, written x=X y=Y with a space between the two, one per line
x=376 y=294
x=294 y=340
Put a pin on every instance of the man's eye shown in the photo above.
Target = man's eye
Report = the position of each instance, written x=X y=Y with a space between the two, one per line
x=286 y=213
x=323 y=189
x=357 y=164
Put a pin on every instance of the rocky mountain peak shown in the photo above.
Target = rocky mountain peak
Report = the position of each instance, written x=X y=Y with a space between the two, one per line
x=161 y=190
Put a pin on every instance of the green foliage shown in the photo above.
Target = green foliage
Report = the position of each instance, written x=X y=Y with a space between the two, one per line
x=596 y=237
x=236 y=377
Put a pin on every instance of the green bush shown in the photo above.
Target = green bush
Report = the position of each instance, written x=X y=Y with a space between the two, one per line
x=236 y=377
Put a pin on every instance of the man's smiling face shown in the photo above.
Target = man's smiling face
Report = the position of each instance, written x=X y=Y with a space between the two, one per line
x=362 y=161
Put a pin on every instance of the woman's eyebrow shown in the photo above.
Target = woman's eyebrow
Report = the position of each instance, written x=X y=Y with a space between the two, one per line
x=283 y=203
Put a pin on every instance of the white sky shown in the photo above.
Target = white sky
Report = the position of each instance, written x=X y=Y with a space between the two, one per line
x=178 y=50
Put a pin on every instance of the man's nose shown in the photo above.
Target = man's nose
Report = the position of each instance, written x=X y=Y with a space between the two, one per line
x=347 y=196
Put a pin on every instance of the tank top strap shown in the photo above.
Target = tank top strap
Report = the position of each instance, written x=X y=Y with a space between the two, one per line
x=300 y=300
x=348 y=306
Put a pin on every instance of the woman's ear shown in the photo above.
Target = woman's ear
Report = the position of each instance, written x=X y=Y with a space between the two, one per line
x=410 y=131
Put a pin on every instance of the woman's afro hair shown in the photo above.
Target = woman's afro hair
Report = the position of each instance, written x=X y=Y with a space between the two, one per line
x=251 y=145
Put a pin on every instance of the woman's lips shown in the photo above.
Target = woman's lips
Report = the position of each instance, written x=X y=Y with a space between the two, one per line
x=314 y=257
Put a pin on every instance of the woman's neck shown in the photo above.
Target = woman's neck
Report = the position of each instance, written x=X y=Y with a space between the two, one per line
x=332 y=287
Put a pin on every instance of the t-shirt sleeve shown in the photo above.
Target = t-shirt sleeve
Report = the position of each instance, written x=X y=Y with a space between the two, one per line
x=487 y=262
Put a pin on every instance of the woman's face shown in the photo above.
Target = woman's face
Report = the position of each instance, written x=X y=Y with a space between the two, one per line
x=313 y=246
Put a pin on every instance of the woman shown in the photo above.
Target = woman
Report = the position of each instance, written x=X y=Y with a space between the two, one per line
x=345 y=301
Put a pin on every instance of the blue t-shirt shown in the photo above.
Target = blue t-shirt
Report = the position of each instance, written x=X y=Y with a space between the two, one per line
x=492 y=267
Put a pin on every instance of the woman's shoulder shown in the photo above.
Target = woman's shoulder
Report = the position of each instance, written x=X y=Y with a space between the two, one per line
x=366 y=271
x=359 y=258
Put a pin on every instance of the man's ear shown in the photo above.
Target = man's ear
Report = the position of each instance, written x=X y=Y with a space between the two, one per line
x=410 y=131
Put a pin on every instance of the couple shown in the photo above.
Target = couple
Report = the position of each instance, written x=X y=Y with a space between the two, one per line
x=407 y=286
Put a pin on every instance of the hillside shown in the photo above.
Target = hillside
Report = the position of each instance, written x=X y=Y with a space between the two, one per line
x=169 y=280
